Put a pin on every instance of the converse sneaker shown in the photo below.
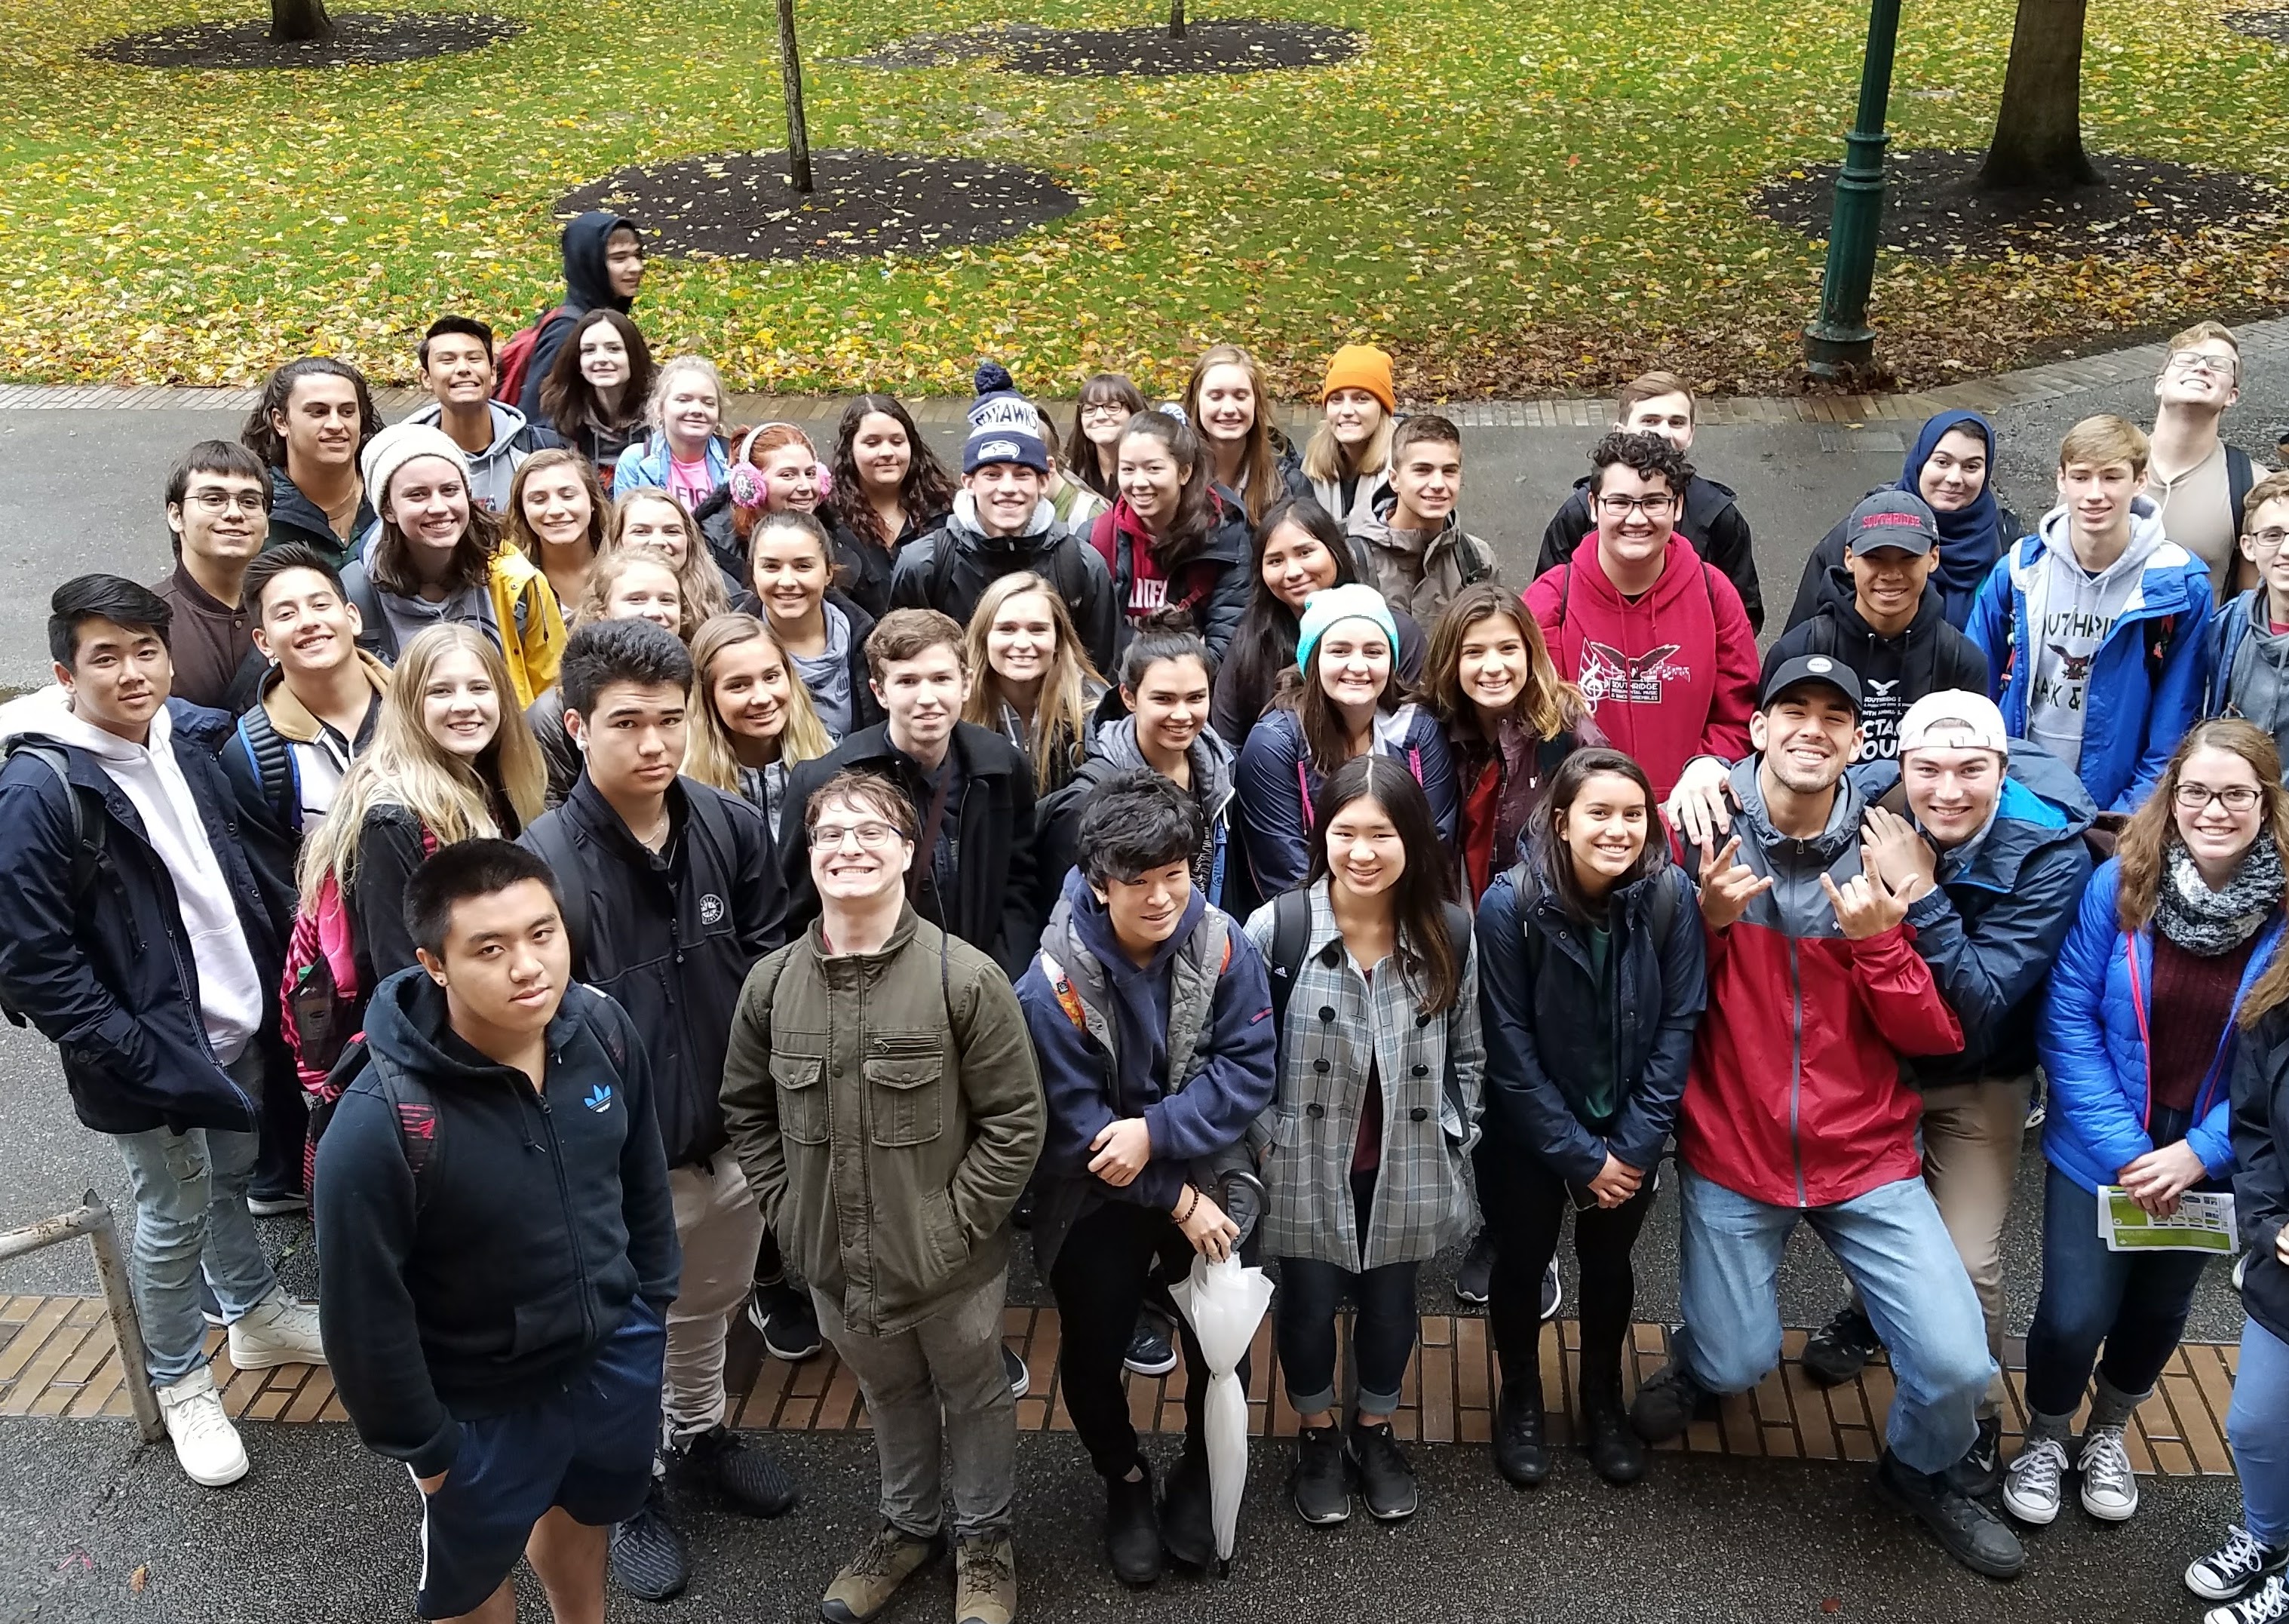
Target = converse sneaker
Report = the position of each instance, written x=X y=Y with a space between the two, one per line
x=2110 y=1488
x=206 y=1444
x=276 y=1203
x=2031 y=1488
x=2229 y=1571
x=275 y=1331
x=2269 y=1606
x=985 y=1582
x=870 y=1579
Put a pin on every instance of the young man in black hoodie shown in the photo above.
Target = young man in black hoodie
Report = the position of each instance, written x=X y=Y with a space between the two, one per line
x=310 y=428
x=671 y=898
x=603 y=268
x=494 y=1317
x=1662 y=403
x=1877 y=616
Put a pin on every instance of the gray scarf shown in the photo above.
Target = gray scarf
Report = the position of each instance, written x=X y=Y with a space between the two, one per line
x=2207 y=923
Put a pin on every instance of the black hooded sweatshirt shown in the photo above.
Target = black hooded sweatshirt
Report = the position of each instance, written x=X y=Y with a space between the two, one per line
x=538 y=1221
x=588 y=286
x=1894 y=672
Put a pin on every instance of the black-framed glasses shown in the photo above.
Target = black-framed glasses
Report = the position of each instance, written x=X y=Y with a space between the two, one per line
x=2269 y=540
x=2233 y=797
x=212 y=501
x=1621 y=507
x=2195 y=361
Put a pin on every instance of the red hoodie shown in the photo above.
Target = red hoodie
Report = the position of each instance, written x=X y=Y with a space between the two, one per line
x=1669 y=676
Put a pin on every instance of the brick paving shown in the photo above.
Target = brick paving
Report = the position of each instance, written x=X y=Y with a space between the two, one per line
x=56 y=1359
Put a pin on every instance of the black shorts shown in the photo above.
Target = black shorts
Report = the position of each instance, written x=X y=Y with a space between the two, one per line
x=587 y=1448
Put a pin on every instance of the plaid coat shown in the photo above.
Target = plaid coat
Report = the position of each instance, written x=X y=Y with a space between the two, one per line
x=1431 y=1069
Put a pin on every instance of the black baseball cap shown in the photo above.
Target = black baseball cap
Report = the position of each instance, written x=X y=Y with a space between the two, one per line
x=1810 y=668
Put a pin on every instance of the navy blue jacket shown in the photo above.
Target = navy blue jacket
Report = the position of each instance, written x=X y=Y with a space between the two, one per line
x=537 y=1222
x=1530 y=1008
x=1992 y=927
x=107 y=976
x=2260 y=1178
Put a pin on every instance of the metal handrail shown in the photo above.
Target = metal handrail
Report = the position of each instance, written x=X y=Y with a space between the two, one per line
x=93 y=1219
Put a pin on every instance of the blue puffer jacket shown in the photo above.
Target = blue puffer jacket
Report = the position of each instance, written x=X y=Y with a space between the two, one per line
x=1991 y=928
x=2146 y=679
x=2093 y=1044
x=1278 y=783
x=107 y=975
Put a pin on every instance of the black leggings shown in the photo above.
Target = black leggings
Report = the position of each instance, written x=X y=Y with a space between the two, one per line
x=1525 y=1204
x=1099 y=1283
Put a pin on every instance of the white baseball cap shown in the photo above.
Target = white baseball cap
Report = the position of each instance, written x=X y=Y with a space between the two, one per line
x=1954 y=719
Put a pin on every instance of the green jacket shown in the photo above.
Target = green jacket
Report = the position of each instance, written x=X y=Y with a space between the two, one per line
x=888 y=1112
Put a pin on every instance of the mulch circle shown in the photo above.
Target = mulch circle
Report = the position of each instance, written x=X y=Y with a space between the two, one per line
x=738 y=206
x=2266 y=24
x=362 y=39
x=1935 y=209
x=1234 y=44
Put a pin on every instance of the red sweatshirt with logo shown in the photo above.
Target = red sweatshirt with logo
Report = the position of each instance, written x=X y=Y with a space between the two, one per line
x=1669 y=674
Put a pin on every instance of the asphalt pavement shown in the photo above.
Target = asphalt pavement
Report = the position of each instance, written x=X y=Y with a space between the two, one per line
x=98 y=1529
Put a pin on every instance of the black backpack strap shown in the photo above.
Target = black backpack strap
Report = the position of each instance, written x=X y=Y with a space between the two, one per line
x=87 y=825
x=1291 y=935
x=414 y=1109
x=274 y=768
x=550 y=838
x=2240 y=477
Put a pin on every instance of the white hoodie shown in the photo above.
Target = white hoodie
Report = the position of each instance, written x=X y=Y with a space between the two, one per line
x=230 y=991
x=2071 y=613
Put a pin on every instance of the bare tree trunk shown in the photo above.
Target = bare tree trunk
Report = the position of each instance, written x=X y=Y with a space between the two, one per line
x=790 y=76
x=301 y=19
x=1176 y=19
x=2038 y=143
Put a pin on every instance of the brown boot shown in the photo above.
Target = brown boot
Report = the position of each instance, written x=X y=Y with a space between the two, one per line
x=985 y=1580
x=870 y=1579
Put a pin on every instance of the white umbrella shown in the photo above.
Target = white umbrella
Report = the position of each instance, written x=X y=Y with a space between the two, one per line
x=1226 y=1302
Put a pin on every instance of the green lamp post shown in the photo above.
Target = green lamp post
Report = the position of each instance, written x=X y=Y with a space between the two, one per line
x=1839 y=339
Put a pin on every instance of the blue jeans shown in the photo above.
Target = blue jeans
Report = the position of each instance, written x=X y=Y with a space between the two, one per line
x=2257 y=1426
x=190 y=1208
x=2133 y=1302
x=1896 y=1251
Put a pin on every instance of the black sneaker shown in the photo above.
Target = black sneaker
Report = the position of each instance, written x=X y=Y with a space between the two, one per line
x=276 y=1203
x=1386 y=1480
x=721 y=1462
x=783 y=1313
x=1150 y=1351
x=1321 y=1486
x=1132 y=1528
x=1840 y=1350
x=1014 y=1368
x=1188 y=1511
x=1670 y=1403
x=2268 y=1605
x=1520 y=1453
x=1471 y=1279
x=1553 y=1292
x=1980 y=1473
x=648 y=1558
x=1616 y=1453
x=1965 y=1529
x=2228 y=1572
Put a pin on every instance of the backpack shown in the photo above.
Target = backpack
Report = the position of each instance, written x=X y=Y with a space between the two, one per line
x=275 y=770
x=319 y=998
x=1066 y=572
x=88 y=826
x=512 y=361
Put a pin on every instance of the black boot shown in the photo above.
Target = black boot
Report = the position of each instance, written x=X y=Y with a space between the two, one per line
x=1188 y=1511
x=1520 y=1453
x=1965 y=1529
x=1672 y=1400
x=1616 y=1452
x=1132 y=1528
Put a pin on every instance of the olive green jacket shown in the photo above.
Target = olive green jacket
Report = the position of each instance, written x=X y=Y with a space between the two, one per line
x=887 y=1110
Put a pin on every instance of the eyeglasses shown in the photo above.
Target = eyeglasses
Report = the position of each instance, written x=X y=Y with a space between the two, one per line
x=1103 y=408
x=2267 y=540
x=872 y=836
x=2195 y=361
x=211 y=500
x=1621 y=506
x=2233 y=797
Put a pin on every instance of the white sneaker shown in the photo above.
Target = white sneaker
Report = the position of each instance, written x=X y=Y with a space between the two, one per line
x=2031 y=1488
x=206 y=1444
x=2110 y=1488
x=277 y=1331
x=2268 y=1604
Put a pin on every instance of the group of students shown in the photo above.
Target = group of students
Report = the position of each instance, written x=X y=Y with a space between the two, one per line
x=1182 y=847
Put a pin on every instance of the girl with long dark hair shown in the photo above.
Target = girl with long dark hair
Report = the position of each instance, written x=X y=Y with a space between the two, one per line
x=1343 y=699
x=888 y=486
x=1378 y=1107
x=1107 y=401
x=823 y=632
x=596 y=391
x=775 y=468
x=1168 y=539
x=1593 y=975
x=1509 y=718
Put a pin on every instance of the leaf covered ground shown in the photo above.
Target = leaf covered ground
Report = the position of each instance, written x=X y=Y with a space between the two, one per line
x=1517 y=197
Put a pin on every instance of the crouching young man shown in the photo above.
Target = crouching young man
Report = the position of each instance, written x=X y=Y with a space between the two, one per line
x=882 y=1094
x=1151 y=1014
x=497 y=1319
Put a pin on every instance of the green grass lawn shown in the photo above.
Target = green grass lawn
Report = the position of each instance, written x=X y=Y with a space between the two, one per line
x=1513 y=197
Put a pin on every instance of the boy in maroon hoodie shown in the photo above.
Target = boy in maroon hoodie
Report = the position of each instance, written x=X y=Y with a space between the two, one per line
x=1657 y=639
